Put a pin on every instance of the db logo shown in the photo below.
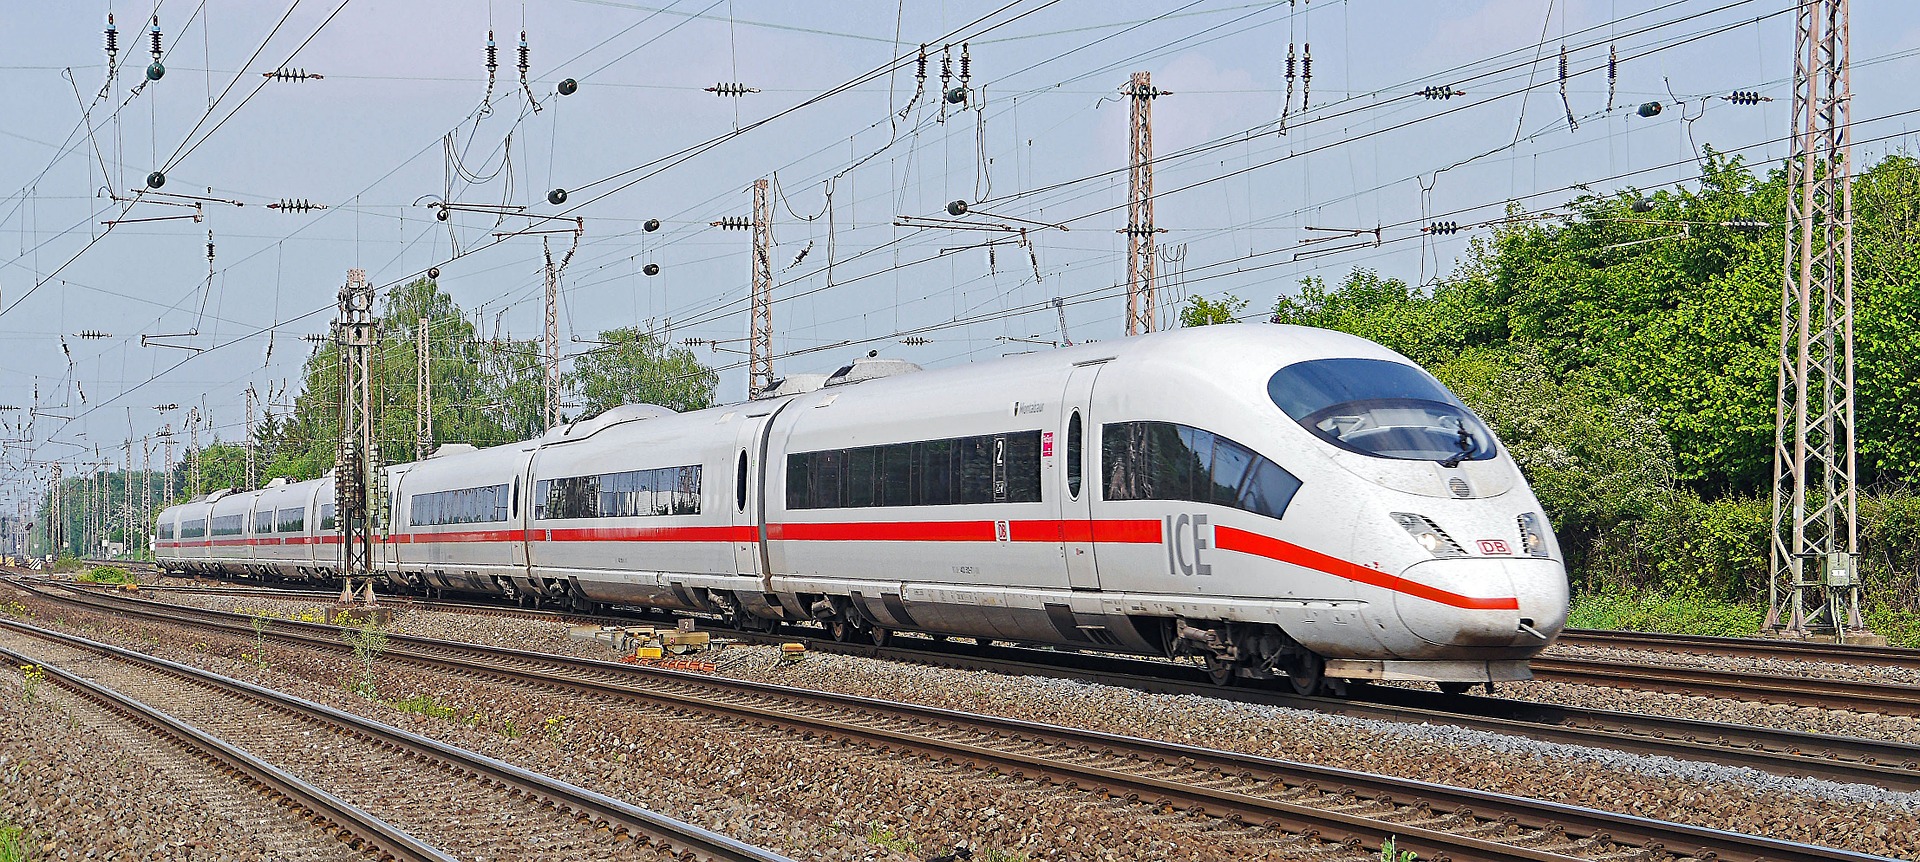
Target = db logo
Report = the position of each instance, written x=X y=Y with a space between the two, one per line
x=1494 y=546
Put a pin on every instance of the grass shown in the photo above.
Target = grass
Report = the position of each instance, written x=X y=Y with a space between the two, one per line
x=1653 y=611
x=13 y=844
x=425 y=705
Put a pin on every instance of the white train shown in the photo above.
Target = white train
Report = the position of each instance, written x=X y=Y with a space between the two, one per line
x=1278 y=501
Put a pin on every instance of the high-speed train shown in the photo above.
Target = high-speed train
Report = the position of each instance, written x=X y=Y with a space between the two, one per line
x=1276 y=501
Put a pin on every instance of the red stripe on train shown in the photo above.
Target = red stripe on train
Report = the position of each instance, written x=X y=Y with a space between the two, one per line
x=1231 y=539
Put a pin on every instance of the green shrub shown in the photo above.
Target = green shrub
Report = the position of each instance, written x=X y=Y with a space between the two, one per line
x=106 y=575
x=1651 y=611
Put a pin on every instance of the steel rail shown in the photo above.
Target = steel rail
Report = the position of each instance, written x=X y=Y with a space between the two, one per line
x=1793 y=754
x=657 y=829
x=1743 y=685
x=1416 y=814
x=1796 y=650
x=391 y=841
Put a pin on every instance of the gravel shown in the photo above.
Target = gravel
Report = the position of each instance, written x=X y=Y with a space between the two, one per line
x=1778 y=666
x=1855 y=817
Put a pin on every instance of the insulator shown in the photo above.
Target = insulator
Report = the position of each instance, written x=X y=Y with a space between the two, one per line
x=156 y=39
x=568 y=87
x=957 y=208
x=295 y=205
x=156 y=71
x=653 y=224
x=1444 y=91
x=209 y=247
x=1290 y=61
x=1306 y=72
x=493 y=56
x=523 y=54
x=441 y=215
x=733 y=223
x=1747 y=224
x=156 y=180
x=1746 y=97
x=966 y=64
x=113 y=37
x=957 y=96
x=1443 y=227
x=433 y=272
x=651 y=269
x=1563 y=63
x=1649 y=109
x=946 y=66
x=732 y=89
x=91 y=333
x=921 y=75
x=557 y=197
x=916 y=340
x=1642 y=205
x=286 y=74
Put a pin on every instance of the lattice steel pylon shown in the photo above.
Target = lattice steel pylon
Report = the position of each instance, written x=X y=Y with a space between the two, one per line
x=551 y=338
x=253 y=471
x=423 y=396
x=1140 y=230
x=356 y=455
x=1815 y=582
x=56 y=519
x=760 y=331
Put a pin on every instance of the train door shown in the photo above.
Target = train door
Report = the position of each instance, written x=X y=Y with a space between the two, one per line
x=744 y=498
x=1074 y=445
x=390 y=538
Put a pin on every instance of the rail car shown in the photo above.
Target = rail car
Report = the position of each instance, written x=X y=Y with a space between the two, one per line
x=1276 y=501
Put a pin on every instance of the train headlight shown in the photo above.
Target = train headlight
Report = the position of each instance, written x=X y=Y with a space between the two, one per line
x=1533 y=537
x=1429 y=535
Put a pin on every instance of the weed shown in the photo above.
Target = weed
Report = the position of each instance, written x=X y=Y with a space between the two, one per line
x=884 y=836
x=259 y=655
x=31 y=677
x=106 y=575
x=19 y=611
x=509 y=729
x=424 y=704
x=995 y=854
x=13 y=844
x=368 y=642
x=1391 y=853
x=555 y=728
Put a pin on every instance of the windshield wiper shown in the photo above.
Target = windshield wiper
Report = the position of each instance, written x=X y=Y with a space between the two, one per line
x=1467 y=447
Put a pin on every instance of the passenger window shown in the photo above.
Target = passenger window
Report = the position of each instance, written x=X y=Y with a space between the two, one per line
x=1073 y=455
x=740 y=482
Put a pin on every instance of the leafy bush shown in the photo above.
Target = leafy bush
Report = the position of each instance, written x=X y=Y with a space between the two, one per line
x=1650 y=611
x=106 y=575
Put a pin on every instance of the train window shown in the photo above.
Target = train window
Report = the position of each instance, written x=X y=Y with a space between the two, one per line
x=193 y=529
x=896 y=474
x=740 y=482
x=1165 y=461
x=292 y=520
x=486 y=504
x=1380 y=408
x=991 y=468
x=1074 y=433
x=628 y=494
x=263 y=521
x=229 y=525
x=863 y=476
x=165 y=531
x=327 y=522
x=513 y=505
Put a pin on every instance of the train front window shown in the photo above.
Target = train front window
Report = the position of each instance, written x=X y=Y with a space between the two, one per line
x=1382 y=409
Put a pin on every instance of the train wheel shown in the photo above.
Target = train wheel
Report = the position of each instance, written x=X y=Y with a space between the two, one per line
x=843 y=630
x=881 y=636
x=1306 y=672
x=1455 y=687
x=1220 y=671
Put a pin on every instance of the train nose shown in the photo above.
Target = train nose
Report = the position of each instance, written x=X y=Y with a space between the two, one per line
x=1484 y=601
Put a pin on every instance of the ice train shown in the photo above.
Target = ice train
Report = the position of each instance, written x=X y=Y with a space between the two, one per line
x=1276 y=501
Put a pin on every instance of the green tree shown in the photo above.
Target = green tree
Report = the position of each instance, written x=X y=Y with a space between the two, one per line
x=1201 y=311
x=634 y=367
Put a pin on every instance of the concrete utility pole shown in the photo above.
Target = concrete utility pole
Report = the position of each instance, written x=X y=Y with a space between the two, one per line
x=1816 y=585
x=126 y=498
x=356 y=455
x=760 y=331
x=1141 y=314
x=423 y=397
x=56 y=519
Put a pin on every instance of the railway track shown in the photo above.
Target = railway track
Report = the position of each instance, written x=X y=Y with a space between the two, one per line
x=482 y=807
x=1795 y=754
x=1437 y=821
x=1766 y=648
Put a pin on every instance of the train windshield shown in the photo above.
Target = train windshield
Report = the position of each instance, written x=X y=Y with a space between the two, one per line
x=1382 y=409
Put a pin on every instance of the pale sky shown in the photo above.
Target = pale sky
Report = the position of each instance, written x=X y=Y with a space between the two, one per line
x=1042 y=138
